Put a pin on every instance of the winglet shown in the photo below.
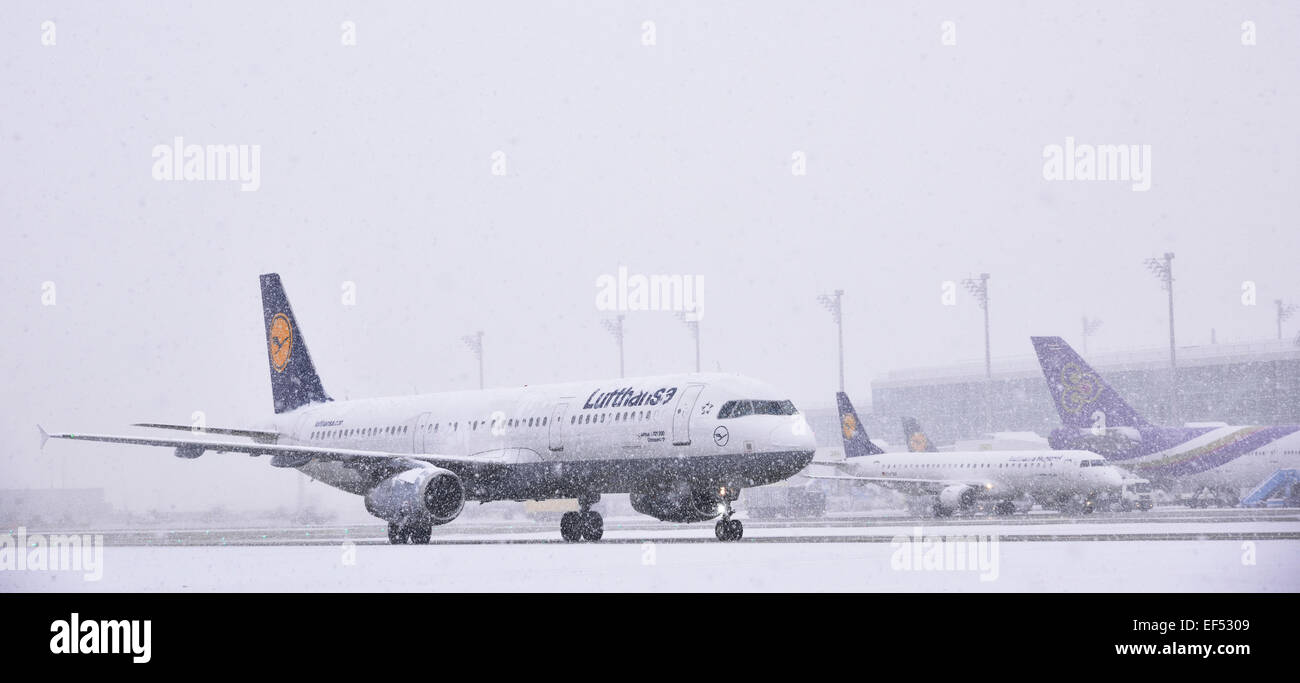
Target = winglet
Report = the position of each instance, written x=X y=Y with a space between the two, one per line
x=45 y=436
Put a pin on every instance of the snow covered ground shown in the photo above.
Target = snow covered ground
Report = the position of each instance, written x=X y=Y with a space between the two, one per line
x=682 y=559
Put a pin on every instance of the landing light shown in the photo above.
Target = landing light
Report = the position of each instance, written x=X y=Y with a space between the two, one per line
x=722 y=509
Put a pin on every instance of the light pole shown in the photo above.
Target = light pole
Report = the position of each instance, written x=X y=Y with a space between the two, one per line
x=615 y=327
x=1090 y=328
x=831 y=302
x=694 y=326
x=1163 y=269
x=980 y=290
x=1284 y=312
x=475 y=344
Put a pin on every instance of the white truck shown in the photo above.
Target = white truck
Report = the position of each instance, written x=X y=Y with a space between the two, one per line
x=1135 y=494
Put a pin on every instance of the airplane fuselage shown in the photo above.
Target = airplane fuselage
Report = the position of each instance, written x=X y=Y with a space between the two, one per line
x=1002 y=475
x=1228 y=456
x=565 y=440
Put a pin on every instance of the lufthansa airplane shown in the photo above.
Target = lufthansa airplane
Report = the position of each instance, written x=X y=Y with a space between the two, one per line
x=959 y=481
x=1221 y=458
x=682 y=445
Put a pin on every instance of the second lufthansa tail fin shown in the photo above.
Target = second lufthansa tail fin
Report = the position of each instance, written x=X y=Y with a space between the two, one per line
x=917 y=442
x=1082 y=397
x=856 y=441
x=294 y=382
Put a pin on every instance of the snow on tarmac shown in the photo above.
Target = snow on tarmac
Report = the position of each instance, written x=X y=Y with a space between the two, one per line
x=1052 y=566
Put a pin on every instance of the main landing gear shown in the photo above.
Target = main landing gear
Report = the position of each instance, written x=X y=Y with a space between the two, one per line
x=728 y=529
x=415 y=534
x=585 y=524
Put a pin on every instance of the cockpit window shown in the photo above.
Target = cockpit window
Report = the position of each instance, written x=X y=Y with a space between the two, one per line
x=735 y=409
x=742 y=408
x=774 y=408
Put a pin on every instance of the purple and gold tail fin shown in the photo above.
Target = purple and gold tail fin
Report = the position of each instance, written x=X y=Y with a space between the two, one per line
x=294 y=382
x=1082 y=397
x=917 y=442
x=856 y=441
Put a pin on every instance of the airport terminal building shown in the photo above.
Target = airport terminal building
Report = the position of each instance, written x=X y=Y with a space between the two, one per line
x=1240 y=383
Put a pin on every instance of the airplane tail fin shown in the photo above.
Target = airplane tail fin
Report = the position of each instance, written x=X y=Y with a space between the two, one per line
x=856 y=441
x=917 y=442
x=294 y=382
x=1082 y=397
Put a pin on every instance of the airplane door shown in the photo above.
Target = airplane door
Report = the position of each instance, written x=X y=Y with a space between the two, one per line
x=682 y=415
x=419 y=440
x=557 y=427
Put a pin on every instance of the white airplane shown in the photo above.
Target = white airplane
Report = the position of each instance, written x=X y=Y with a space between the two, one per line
x=958 y=481
x=682 y=445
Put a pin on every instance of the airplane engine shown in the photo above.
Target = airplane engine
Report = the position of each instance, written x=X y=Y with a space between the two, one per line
x=428 y=494
x=189 y=451
x=957 y=496
x=675 y=502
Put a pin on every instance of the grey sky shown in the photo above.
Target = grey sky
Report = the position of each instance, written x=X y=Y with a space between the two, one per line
x=924 y=164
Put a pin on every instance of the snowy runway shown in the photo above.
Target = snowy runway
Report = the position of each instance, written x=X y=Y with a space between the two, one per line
x=1185 y=551
x=1046 y=566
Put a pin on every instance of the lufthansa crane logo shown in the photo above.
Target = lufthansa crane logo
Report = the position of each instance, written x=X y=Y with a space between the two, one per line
x=850 y=426
x=918 y=443
x=281 y=341
x=721 y=436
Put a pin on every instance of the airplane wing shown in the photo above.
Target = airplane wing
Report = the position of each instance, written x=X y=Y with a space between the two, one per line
x=196 y=447
x=257 y=434
x=913 y=486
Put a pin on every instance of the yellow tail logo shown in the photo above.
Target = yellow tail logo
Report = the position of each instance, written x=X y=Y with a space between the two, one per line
x=850 y=426
x=281 y=341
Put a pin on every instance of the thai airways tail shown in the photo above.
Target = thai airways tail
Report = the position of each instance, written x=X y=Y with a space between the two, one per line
x=1082 y=397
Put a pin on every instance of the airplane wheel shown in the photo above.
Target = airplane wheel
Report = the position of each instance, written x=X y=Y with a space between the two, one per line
x=397 y=534
x=729 y=530
x=591 y=526
x=941 y=511
x=420 y=534
x=1004 y=508
x=570 y=527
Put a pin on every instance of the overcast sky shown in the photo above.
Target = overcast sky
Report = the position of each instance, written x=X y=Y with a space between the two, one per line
x=924 y=164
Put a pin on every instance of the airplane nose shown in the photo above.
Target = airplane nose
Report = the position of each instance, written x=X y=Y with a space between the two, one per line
x=794 y=434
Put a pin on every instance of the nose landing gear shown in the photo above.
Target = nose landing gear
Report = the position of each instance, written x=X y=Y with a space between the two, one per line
x=728 y=529
x=585 y=524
